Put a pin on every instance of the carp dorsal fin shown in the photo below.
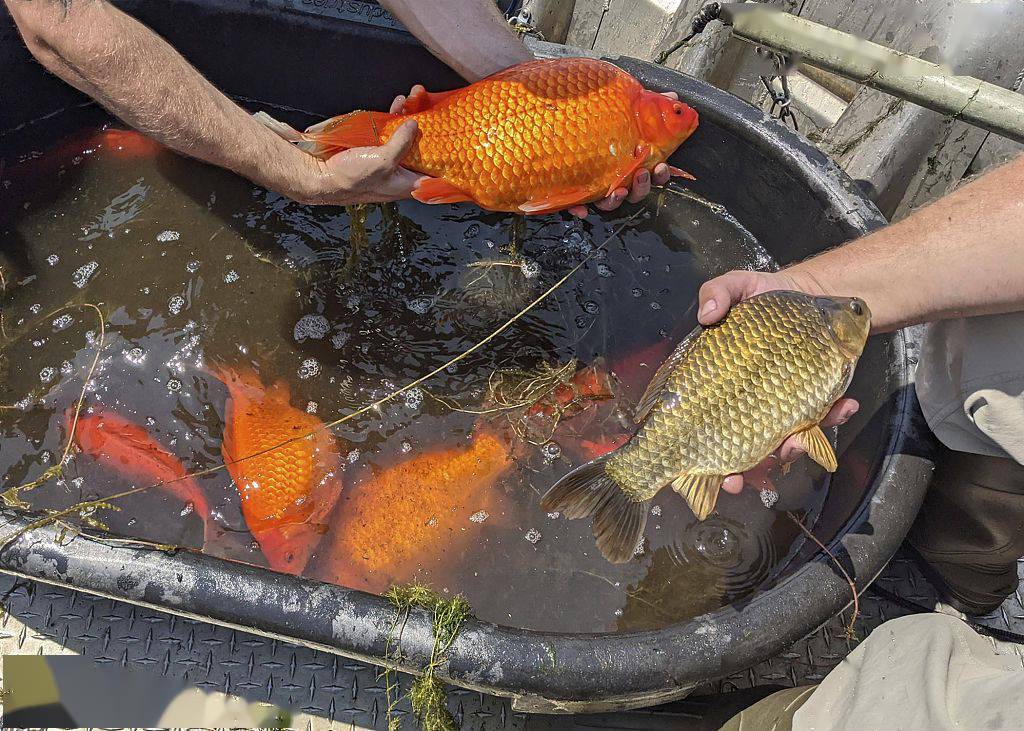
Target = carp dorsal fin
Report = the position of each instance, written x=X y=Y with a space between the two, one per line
x=818 y=447
x=652 y=394
x=699 y=491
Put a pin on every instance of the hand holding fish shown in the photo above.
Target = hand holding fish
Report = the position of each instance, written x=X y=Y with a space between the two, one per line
x=721 y=293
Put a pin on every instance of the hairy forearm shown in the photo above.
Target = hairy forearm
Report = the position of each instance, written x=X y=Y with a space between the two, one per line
x=470 y=36
x=141 y=79
x=960 y=256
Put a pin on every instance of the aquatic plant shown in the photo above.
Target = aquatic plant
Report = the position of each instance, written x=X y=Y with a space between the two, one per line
x=427 y=695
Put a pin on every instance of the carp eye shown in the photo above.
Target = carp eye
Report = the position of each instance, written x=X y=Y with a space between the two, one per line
x=856 y=307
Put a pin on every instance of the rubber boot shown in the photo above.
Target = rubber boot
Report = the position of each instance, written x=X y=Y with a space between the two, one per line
x=970 y=531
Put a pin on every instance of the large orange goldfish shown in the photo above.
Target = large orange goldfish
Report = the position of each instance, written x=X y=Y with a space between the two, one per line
x=287 y=491
x=535 y=138
x=409 y=513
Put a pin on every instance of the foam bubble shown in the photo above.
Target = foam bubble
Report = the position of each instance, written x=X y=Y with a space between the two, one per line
x=231 y=277
x=479 y=517
x=82 y=275
x=175 y=304
x=533 y=536
x=310 y=367
x=311 y=327
x=164 y=236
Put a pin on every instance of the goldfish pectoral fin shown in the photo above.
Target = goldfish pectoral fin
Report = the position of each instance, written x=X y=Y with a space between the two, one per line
x=677 y=173
x=356 y=129
x=640 y=156
x=425 y=100
x=435 y=190
x=699 y=491
x=655 y=389
x=818 y=447
x=557 y=201
x=618 y=521
x=285 y=131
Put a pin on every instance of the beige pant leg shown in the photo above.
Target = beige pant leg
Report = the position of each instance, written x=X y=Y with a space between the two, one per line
x=927 y=672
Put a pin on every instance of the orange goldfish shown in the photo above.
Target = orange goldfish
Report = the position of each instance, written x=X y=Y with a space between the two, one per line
x=127 y=448
x=412 y=511
x=286 y=491
x=539 y=137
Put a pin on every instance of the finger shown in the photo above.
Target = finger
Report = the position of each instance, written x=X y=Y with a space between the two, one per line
x=641 y=186
x=579 y=211
x=613 y=201
x=661 y=174
x=721 y=293
x=397 y=186
x=670 y=95
x=397 y=104
x=397 y=147
x=733 y=484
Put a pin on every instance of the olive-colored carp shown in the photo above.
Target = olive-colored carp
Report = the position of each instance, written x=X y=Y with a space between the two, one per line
x=726 y=397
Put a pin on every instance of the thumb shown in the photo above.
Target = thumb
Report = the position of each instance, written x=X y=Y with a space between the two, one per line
x=719 y=294
x=398 y=146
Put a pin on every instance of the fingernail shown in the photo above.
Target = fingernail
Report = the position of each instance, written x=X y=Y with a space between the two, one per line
x=709 y=307
x=643 y=177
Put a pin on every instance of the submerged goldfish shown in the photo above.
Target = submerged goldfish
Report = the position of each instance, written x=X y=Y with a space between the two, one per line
x=125 y=447
x=721 y=403
x=407 y=513
x=286 y=491
x=538 y=137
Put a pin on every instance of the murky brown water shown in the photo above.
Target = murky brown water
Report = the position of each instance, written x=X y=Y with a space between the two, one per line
x=190 y=264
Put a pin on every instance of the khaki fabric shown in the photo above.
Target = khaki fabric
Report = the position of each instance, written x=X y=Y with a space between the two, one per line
x=927 y=672
x=970 y=382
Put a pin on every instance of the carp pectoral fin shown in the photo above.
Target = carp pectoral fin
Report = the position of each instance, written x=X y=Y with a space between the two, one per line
x=818 y=447
x=654 y=389
x=425 y=100
x=435 y=190
x=640 y=156
x=618 y=521
x=699 y=491
x=557 y=201
x=677 y=173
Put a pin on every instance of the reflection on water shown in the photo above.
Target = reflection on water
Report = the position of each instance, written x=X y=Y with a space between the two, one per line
x=193 y=267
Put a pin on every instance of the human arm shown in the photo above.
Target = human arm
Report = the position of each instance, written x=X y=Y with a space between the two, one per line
x=963 y=255
x=141 y=79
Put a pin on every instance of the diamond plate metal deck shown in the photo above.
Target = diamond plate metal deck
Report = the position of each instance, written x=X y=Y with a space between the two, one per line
x=329 y=692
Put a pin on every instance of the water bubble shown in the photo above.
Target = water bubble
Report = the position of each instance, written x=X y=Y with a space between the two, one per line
x=637 y=292
x=192 y=266
x=62 y=322
x=420 y=305
x=34 y=309
x=414 y=398
x=187 y=510
x=311 y=327
x=47 y=374
x=490 y=244
x=479 y=517
x=432 y=522
x=591 y=307
x=769 y=497
x=656 y=510
x=617 y=612
x=173 y=385
x=39 y=343
x=82 y=275
x=551 y=451
x=529 y=268
x=52 y=260
x=352 y=456
x=136 y=356
x=339 y=339
x=175 y=304
x=655 y=305
x=46 y=456
x=311 y=407
x=472 y=231
x=66 y=367
x=638 y=550
x=406 y=447
x=533 y=536
x=164 y=236
x=603 y=270
x=230 y=277
x=554 y=515
x=310 y=367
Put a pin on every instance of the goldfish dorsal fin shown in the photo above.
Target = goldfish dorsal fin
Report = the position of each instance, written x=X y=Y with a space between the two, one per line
x=425 y=100
x=435 y=190
x=699 y=491
x=640 y=155
x=818 y=447
x=653 y=392
x=678 y=173
x=557 y=201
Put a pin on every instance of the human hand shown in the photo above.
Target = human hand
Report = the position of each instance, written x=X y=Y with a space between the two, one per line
x=639 y=187
x=715 y=299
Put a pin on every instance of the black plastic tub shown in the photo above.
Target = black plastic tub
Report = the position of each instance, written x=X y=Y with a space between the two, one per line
x=289 y=54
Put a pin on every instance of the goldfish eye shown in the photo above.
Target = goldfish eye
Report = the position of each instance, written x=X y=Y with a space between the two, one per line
x=677 y=109
x=855 y=305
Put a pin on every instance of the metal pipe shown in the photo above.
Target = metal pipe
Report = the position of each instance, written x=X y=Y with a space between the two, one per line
x=971 y=100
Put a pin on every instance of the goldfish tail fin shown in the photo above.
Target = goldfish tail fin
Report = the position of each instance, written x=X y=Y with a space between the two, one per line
x=618 y=521
x=356 y=129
